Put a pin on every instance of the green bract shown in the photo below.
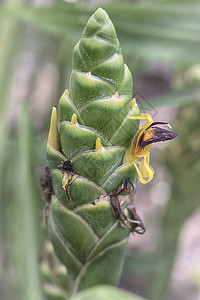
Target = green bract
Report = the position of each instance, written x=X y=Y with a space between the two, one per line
x=94 y=132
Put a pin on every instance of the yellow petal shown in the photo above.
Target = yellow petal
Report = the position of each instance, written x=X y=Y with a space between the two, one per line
x=143 y=117
x=135 y=151
x=144 y=127
x=144 y=170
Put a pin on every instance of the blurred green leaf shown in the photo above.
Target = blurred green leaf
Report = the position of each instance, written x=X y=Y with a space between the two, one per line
x=155 y=30
x=141 y=264
x=10 y=38
x=25 y=214
x=177 y=98
x=9 y=46
x=182 y=159
x=105 y=292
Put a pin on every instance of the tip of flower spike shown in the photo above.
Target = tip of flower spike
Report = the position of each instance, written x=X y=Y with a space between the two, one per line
x=100 y=25
x=74 y=119
x=53 y=138
x=98 y=144
x=101 y=14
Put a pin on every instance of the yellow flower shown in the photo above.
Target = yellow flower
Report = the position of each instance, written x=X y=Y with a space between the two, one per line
x=141 y=145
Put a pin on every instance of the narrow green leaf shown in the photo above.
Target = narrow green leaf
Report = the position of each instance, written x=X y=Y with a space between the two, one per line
x=177 y=98
x=167 y=30
x=10 y=36
x=27 y=237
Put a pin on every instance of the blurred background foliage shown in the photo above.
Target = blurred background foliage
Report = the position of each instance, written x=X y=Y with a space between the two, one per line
x=160 y=42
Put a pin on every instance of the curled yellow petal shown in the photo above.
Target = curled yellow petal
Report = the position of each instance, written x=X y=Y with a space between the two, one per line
x=143 y=117
x=53 y=137
x=144 y=170
x=144 y=127
x=135 y=151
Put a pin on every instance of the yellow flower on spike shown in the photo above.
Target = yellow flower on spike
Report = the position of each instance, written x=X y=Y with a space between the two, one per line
x=141 y=145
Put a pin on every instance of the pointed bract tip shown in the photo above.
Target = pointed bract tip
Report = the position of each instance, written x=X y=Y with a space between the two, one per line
x=74 y=119
x=66 y=93
x=101 y=14
x=133 y=102
x=98 y=144
x=54 y=138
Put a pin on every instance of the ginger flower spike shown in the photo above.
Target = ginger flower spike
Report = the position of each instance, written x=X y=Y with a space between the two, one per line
x=148 y=134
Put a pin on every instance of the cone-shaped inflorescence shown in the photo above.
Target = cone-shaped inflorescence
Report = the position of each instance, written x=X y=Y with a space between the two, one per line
x=86 y=146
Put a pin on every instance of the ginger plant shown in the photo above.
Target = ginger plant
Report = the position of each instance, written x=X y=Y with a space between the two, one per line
x=93 y=149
